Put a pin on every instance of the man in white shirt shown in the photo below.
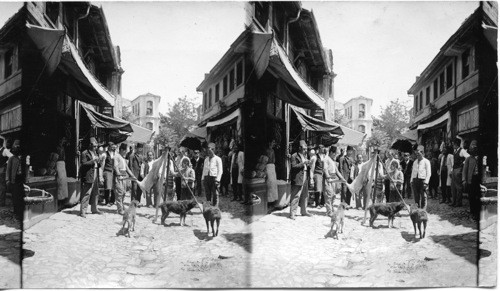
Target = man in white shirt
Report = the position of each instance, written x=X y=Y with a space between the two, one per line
x=212 y=173
x=5 y=154
x=420 y=176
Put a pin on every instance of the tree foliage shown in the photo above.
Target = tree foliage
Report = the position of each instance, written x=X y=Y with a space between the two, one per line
x=393 y=120
x=127 y=114
x=167 y=136
x=180 y=117
x=379 y=139
x=340 y=117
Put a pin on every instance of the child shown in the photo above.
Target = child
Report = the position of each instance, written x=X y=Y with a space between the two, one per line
x=188 y=180
x=397 y=178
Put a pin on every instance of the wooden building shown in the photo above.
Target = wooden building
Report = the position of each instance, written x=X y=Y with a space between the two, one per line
x=59 y=77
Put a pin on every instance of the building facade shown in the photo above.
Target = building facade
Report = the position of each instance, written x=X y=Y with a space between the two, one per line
x=145 y=109
x=457 y=94
x=59 y=72
x=358 y=114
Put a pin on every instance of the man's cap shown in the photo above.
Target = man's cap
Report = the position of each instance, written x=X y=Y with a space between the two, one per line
x=420 y=148
x=211 y=145
x=350 y=148
x=110 y=144
x=16 y=143
x=303 y=144
x=139 y=146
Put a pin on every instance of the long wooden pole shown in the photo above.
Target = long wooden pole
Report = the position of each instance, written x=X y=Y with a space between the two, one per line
x=162 y=186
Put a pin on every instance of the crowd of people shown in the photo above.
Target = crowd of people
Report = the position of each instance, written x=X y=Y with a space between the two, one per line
x=319 y=173
x=190 y=173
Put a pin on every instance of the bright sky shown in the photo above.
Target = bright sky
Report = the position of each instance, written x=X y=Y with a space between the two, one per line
x=378 y=47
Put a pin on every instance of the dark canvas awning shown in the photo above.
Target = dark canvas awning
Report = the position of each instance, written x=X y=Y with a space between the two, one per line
x=314 y=124
x=82 y=84
x=49 y=42
x=102 y=121
x=291 y=87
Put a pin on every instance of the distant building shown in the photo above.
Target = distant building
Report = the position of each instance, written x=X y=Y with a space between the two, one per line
x=358 y=113
x=145 y=111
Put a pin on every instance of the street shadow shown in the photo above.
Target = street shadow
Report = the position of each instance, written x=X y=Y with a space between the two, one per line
x=242 y=239
x=202 y=235
x=9 y=247
x=8 y=219
x=409 y=237
x=356 y=218
x=463 y=245
x=484 y=253
x=282 y=214
x=110 y=211
x=28 y=253
x=72 y=212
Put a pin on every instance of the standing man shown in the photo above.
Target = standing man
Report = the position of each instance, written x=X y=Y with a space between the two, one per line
x=471 y=177
x=446 y=170
x=5 y=154
x=15 y=179
x=299 y=181
x=109 y=196
x=346 y=164
x=89 y=171
x=330 y=170
x=420 y=176
x=135 y=162
x=212 y=173
x=121 y=171
x=354 y=173
x=197 y=163
x=459 y=156
x=316 y=175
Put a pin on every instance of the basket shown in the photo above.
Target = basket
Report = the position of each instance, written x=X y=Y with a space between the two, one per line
x=37 y=196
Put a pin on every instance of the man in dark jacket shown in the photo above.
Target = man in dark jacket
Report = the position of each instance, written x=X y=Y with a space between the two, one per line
x=89 y=174
x=197 y=163
x=471 y=177
x=407 y=166
x=135 y=161
x=299 y=181
x=346 y=163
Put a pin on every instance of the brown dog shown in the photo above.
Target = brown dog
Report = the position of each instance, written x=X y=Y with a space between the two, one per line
x=178 y=207
x=418 y=217
x=386 y=209
x=129 y=218
x=338 y=220
x=211 y=214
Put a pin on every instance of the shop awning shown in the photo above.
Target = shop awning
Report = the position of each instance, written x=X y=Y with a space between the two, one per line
x=199 y=132
x=442 y=118
x=82 y=84
x=351 y=137
x=314 y=124
x=49 y=42
x=291 y=87
x=102 y=121
x=140 y=134
x=236 y=114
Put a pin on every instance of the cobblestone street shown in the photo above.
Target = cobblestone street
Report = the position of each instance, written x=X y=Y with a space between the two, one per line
x=10 y=246
x=69 y=251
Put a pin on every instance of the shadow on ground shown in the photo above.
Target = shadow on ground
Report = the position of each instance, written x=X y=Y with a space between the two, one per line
x=202 y=235
x=463 y=245
x=242 y=239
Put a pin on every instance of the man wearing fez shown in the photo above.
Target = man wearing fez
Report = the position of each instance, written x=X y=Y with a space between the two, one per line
x=212 y=173
x=135 y=162
x=346 y=163
x=89 y=174
x=298 y=175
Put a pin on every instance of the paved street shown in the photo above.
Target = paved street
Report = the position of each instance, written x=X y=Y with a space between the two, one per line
x=10 y=245
x=68 y=251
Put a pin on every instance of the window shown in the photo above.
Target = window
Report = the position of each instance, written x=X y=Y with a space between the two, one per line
x=231 y=80
x=435 y=89
x=9 y=63
x=262 y=13
x=205 y=101
x=428 y=95
x=421 y=100
x=465 y=63
x=361 y=110
x=138 y=109
x=224 y=86
x=217 y=89
x=361 y=128
x=239 y=73
x=149 y=108
x=415 y=103
x=441 y=83
x=149 y=125
x=210 y=98
x=449 y=76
